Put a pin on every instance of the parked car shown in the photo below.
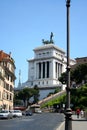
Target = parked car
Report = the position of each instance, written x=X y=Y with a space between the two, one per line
x=39 y=111
x=5 y=114
x=28 y=113
x=16 y=113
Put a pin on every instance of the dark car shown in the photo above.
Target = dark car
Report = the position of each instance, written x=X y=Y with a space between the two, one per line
x=28 y=113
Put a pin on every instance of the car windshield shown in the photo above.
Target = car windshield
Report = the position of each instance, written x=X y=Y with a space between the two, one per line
x=4 y=112
x=17 y=111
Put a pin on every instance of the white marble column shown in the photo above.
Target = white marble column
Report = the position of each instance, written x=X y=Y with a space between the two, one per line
x=53 y=73
x=37 y=70
x=51 y=69
x=57 y=70
x=60 y=69
x=45 y=69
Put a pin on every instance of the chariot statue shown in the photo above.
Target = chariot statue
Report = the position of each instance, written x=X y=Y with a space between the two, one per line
x=49 y=41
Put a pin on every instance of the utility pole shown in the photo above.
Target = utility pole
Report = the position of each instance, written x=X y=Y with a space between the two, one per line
x=68 y=113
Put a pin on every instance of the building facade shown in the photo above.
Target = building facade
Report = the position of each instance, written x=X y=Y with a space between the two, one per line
x=7 y=79
x=45 y=68
x=81 y=60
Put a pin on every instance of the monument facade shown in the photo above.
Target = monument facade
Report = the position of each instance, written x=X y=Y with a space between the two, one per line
x=46 y=67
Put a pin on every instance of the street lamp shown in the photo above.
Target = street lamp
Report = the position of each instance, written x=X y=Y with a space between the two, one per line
x=68 y=113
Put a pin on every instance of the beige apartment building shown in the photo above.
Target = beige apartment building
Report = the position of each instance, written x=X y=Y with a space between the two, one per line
x=7 y=78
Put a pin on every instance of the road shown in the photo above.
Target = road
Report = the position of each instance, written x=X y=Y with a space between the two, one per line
x=44 y=121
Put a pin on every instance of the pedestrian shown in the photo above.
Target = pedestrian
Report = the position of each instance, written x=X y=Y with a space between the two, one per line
x=78 y=112
x=82 y=113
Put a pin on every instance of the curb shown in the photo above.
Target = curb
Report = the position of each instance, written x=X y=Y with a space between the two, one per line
x=61 y=127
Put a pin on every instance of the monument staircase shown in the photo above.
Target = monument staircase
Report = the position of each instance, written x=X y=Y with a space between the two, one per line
x=53 y=96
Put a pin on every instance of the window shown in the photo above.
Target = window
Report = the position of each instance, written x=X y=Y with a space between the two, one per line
x=31 y=83
x=7 y=86
x=47 y=82
x=8 y=77
x=4 y=95
x=0 y=94
x=7 y=96
x=11 y=88
x=38 y=83
x=0 y=81
x=11 y=79
x=10 y=96
x=47 y=53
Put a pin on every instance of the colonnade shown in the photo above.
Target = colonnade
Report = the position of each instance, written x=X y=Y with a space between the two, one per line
x=47 y=70
x=42 y=70
x=58 y=69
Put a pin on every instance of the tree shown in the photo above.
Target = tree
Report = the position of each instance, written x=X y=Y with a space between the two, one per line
x=56 y=90
x=36 y=94
x=25 y=94
x=63 y=78
x=78 y=74
x=79 y=97
x=16 y=100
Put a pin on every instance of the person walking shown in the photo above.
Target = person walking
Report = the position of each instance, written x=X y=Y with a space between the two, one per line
x=78 y=112
x=82 y=113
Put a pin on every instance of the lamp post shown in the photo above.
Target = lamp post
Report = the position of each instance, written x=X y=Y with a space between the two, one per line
x=68 y=113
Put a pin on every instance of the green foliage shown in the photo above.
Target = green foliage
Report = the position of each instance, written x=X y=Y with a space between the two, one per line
x=36 y=94
x=78 y=74
x=50 y=94
x=16 y=100
x=57 y=100
x=79 y=97
x=63 y=78
x=57 y=90
x=26 y=93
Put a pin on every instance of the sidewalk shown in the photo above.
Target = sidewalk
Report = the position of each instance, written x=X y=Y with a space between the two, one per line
x=77 y=124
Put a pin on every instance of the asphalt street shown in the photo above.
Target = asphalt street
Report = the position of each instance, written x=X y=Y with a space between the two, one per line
x=44 y=121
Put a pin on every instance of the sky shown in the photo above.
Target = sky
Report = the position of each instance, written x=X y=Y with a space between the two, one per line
x=24 y=23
